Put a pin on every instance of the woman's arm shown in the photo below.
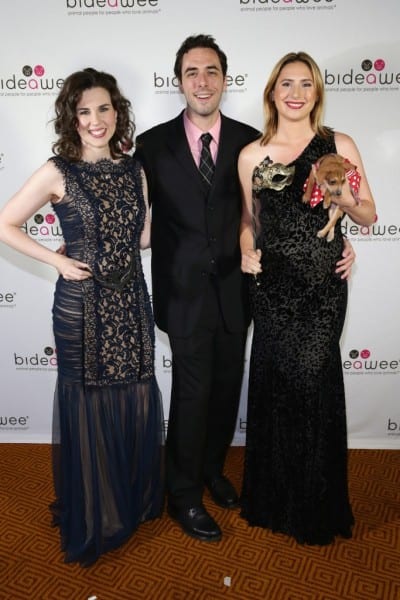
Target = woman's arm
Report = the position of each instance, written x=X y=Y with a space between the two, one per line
x=145 y=235
x=363 y=211
x=250 y=257
x=44 y=185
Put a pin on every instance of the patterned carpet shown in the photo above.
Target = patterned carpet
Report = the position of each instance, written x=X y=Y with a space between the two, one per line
x=160 y=563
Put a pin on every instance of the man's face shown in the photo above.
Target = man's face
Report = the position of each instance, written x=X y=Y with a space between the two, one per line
x=202 y=83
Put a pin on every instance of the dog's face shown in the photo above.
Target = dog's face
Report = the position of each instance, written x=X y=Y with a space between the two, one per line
x=331 y=174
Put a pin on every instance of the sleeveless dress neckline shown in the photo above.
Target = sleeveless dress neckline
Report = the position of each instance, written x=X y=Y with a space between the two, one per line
x=268 y=158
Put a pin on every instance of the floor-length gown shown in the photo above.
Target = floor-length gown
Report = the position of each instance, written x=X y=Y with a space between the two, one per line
x=108 y=422
x=295 y=477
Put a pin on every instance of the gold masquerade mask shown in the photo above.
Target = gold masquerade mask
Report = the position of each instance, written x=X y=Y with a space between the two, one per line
x=274 y=176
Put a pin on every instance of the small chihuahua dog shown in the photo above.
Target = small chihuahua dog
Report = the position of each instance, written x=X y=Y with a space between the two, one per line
x=329 y=175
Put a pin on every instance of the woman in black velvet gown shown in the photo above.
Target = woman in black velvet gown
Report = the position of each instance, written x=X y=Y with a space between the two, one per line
x=295 y=477
x=108 y=423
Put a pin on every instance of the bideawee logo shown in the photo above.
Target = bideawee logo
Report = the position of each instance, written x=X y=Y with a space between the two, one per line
x=13 y=422
x=362 y=362
x=44 y=227
x=393 y=426
x=369 y=76
x=42 y=360
x=166 y=364
x=90 y=8
x=378 y=232
x=7 y=299
x=167 y=84
x=30 y=81
x=285 y=5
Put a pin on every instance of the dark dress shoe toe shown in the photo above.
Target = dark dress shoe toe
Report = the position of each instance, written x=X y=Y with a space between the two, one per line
x=196 y=522
x=222 y=492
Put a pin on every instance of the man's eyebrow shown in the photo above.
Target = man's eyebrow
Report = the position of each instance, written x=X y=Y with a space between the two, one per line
x=211 y=67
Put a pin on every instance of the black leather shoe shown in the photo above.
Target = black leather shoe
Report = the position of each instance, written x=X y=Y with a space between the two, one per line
x=222 y=492
x=196 y=522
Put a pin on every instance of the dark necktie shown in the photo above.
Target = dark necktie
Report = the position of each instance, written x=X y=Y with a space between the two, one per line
x=206 y=166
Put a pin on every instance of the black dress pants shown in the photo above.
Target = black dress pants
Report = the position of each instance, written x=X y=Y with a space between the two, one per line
x=207 y=370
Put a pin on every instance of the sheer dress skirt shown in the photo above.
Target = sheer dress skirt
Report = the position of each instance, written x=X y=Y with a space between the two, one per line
x=107 y=445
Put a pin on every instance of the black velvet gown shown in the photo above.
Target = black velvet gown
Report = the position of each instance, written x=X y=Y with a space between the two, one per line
x=295 y=477
x=108 y=421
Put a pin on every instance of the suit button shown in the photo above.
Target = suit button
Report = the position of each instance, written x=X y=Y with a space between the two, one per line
x=212 y=261
x=210 y=207
x=213 y=239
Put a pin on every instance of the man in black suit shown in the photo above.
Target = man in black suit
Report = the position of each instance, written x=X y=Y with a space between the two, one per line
x=199 y=294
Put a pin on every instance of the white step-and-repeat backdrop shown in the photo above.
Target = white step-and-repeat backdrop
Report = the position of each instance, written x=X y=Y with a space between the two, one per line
x=357 y=45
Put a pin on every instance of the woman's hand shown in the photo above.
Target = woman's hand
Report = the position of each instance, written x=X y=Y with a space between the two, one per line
x=344 y=265
x=62 y=249
x=73 y=270
x=251 y=262
x=347 y=199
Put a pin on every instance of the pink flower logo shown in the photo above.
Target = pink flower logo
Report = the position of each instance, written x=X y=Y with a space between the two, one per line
x=38 y=70
x=379 y=64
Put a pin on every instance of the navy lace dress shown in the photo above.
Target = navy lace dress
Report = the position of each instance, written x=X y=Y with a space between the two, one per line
x=108 y=421
x=295 y=477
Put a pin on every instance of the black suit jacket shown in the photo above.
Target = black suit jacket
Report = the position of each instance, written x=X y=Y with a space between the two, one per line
x=194 y=231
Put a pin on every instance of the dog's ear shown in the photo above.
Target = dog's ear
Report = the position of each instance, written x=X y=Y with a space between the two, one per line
x=319 y=172
x=349 y=166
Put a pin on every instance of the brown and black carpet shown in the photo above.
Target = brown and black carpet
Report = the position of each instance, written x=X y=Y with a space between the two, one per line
x=161 y=563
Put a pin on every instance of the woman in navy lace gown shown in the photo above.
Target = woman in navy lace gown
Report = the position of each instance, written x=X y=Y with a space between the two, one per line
x=295 y=477
x=108 y=423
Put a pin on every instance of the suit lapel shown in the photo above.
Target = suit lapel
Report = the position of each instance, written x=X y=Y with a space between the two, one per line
x=224 y=147
x=224 y=155
x=179 y=147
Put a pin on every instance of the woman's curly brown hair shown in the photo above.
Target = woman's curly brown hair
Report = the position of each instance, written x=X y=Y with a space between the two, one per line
x=69 y=144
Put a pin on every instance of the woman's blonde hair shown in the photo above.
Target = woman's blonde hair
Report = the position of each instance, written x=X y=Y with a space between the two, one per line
x=271 y=114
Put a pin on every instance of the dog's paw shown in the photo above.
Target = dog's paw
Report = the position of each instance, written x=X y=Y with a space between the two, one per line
x=329 y=235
